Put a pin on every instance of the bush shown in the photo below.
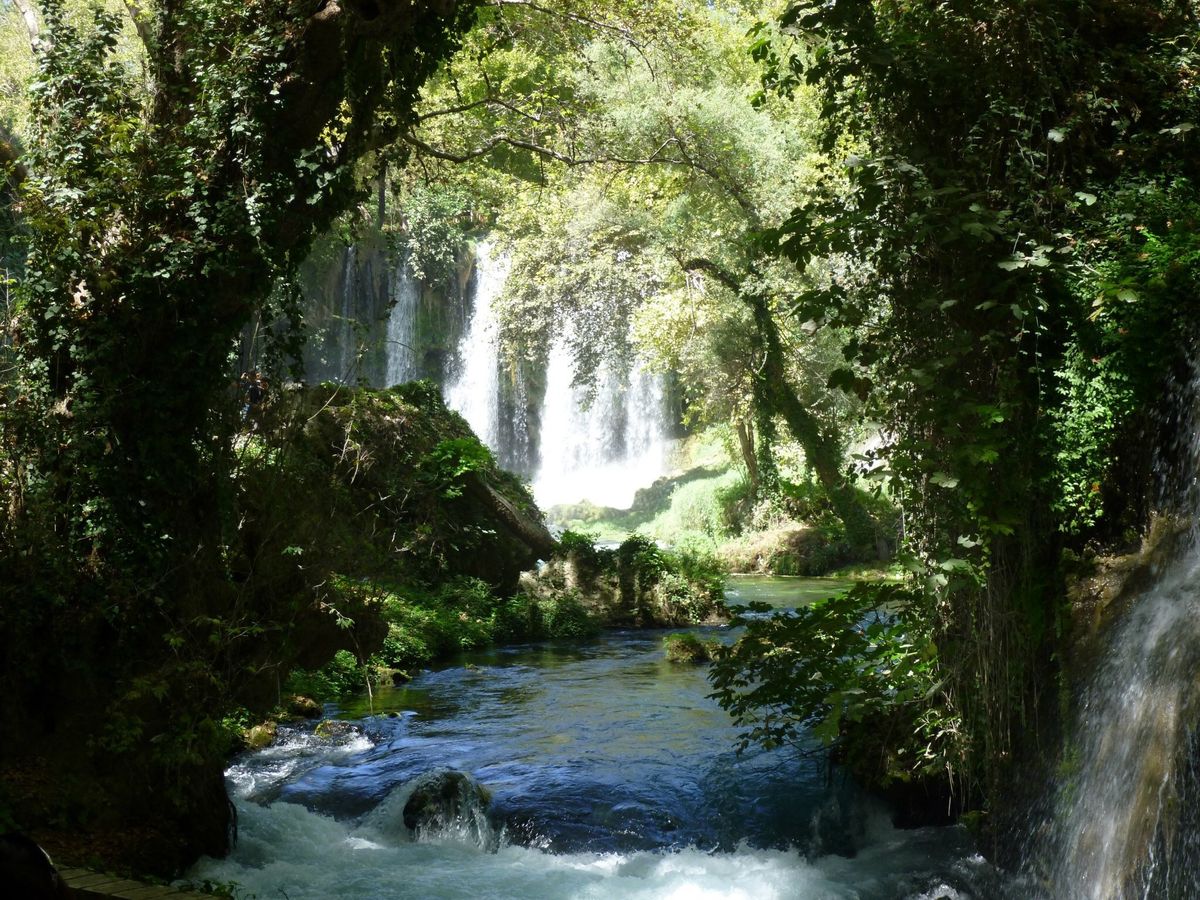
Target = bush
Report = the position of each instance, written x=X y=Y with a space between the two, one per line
x=340 y=676
x=565 y=617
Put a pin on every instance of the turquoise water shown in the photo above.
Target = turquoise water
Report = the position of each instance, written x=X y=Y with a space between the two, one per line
x=783 y=591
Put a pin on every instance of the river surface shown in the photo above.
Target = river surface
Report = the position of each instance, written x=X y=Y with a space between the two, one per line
x=613 y=776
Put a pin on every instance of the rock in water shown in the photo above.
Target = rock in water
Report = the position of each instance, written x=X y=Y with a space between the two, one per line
x=450 y=804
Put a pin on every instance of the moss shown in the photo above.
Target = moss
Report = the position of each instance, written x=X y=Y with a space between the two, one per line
x=261 y=735
x=687 y=648
x=787 y=548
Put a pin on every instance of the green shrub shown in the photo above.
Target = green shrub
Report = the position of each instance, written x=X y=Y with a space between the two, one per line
x=342 y=675
x=518 y=618
x=566 y=617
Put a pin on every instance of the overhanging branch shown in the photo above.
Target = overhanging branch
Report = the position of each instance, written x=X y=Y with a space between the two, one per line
x=502 y=140
x=700 y=264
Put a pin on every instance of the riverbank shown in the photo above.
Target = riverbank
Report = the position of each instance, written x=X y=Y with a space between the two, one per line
x=706 y=505
x=579 y=591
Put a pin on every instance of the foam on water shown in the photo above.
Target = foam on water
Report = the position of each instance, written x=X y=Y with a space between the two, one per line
x=294 y=752
x=289 y=851
x=610 y=774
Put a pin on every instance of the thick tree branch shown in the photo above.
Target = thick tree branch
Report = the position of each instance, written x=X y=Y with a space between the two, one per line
x=142 y=22
x=739 y=197
x=707 y=265
x=455 y=110
x=33 y=26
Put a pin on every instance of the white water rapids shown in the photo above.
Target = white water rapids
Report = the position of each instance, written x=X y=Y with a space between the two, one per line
x=291 y=852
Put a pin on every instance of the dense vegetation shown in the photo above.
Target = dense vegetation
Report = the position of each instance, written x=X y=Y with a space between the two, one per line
x=1019 y=273
x=174 y=163
x=927 y=270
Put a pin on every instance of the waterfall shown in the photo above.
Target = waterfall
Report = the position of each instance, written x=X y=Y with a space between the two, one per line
x=475 y=392
x=1126 y=822
x=402 y=362
x=604 y=451
x=376 y=323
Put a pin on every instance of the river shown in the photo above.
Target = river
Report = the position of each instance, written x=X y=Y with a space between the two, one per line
x=612 y=774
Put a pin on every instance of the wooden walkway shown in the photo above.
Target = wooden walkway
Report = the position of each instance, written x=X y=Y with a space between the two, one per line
x=97 y=886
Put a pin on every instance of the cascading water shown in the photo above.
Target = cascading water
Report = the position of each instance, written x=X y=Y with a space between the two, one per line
x=475 y=392
x=1125 y=823
x=338 y=353
x=402 y=363
x=602 y=452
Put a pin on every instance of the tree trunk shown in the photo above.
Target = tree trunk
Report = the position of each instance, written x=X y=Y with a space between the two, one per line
x=745 y=436
x=822 y=448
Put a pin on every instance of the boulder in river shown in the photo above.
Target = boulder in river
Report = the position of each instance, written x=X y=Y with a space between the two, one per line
x=303 y=707
x=261 y=736
x=447 y=803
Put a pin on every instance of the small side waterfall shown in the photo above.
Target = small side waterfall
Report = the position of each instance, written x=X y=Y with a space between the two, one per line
x=332 y=354
x=475 y=392
x=1126 y=822
x=604 y=451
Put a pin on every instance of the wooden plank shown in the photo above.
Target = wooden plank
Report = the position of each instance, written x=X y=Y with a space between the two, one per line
x=98 y=886
x=116 y=887
x=86 y=880
x=145 y=892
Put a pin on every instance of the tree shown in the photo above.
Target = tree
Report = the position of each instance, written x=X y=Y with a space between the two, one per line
x=161 y=207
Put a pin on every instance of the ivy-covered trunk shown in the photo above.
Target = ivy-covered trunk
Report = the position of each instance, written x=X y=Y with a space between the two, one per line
x=1019 y=289
x=160 y=218
x=822 y=449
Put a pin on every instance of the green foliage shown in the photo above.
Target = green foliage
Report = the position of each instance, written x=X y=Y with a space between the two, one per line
x=998 y=237
x=861 y=658
x=565 y=616
x=339 y=677
x=451 y=459
x=428 y=625
x=434 y=229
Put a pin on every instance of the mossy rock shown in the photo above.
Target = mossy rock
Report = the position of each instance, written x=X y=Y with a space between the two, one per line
x=303 y=707
x=687 y=648
x=261 y=736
